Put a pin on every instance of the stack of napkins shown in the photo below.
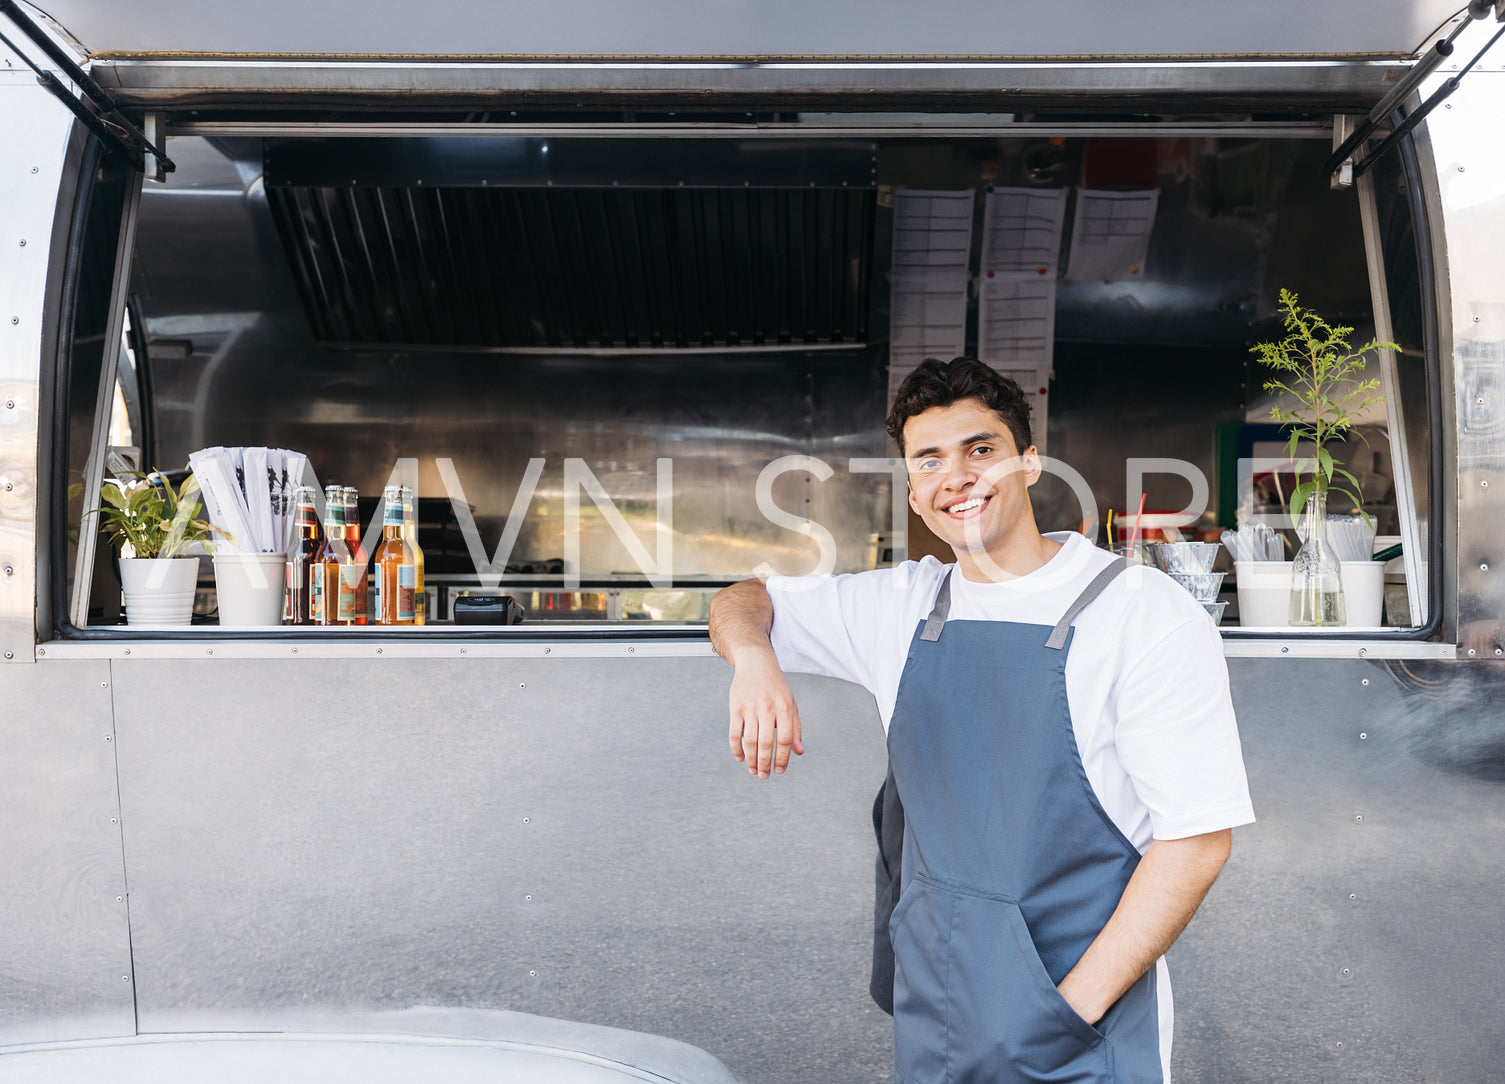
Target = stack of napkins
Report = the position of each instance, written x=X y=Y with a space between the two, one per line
x=248 y=494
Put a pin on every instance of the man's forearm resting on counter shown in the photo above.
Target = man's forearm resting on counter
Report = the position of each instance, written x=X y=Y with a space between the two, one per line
x=1165 y=891
x=765 y=723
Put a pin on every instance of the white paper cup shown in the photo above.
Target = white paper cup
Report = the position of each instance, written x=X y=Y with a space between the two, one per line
x=1364 y=592
x=1264 y=593
x=158 y=592
x=251 y=587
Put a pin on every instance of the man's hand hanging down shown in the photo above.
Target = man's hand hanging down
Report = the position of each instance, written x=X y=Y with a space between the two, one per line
x=765 y=722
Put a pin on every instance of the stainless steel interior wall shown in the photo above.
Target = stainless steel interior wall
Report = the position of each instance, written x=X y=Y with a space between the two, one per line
x=1142 y=369
x=233 y=362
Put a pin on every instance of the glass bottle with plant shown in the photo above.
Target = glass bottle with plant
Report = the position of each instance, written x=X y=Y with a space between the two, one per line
x=1323 y=375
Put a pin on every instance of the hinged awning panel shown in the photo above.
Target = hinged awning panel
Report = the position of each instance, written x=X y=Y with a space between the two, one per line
x=1004 y=29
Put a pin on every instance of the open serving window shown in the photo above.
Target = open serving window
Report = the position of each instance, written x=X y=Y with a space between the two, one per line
x=624 y=304
x=623 y=372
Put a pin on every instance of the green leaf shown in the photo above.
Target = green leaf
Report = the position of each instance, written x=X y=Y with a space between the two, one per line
x=1324 y=457
x=1298 y=498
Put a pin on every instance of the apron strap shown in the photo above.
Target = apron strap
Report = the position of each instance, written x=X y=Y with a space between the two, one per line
x=1058 y=635
x=937 y=619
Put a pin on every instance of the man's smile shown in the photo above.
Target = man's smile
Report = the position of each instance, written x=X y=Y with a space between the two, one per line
x=961 y=508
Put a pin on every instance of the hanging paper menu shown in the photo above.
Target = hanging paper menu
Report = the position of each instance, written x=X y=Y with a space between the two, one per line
x=1110 y=234
x=928 y=279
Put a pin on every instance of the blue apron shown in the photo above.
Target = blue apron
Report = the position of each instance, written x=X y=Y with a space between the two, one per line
x=1010 y=865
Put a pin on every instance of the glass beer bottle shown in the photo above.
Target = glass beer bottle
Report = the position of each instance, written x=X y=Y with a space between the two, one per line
x=328 y=601
x=302 y=562
x=394 y=571
x=415 y=555
x=354 y=578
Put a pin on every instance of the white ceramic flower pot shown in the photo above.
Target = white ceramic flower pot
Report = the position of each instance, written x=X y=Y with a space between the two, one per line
x=158 y=590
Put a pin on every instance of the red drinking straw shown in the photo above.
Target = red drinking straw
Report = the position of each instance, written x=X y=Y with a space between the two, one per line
x=1134 y=534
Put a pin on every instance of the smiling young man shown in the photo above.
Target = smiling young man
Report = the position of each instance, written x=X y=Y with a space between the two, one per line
x=1061 y=737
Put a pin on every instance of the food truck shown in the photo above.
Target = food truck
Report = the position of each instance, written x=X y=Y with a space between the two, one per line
x=622 y=295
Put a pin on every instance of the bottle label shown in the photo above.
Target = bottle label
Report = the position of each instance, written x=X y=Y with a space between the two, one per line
x=316 y=596
x=351 y=577
x=405 y=582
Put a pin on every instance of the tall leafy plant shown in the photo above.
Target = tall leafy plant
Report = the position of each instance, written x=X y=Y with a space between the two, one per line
x=1320 y=371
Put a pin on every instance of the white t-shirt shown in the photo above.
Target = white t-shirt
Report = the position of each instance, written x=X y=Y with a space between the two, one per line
x=1145 y=677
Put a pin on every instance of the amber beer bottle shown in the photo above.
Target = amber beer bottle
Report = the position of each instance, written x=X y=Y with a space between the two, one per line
x=394 y=571
x=327 y=601
x=302 y=563
x=354 y=577
x=415 y=555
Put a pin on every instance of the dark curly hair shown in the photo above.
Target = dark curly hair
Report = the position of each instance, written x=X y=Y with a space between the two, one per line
x=936 y=383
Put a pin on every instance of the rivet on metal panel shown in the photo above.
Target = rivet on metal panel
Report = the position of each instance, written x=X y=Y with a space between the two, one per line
x=1485 y=483
x=9 y=571
x=1346 y=972
x=104 y=684
x=547 y=650
x=1339 y=1046
x=631 y=650
x=1358 y=818
x=33 y=169
x=119 y=899
x=40 y=651
x=15 y=319
x=8 y=487
x=1353 y=895
x=1363 y=651
x=522 y=684
x=1363 y=735
x=1365 y=681
x=528 y=899
x=127 y=651
x=10 y=655
x=210 y=650
x=125 y=978
x=532 y=974
x=23 y=242
x=378 y=651
x=10 y=404
x=1285 y=651
x=109 y=738
x=114 y=820
x=1471 y=653
x=1460 y=169
x=462 y=651
x=1500 y=651
x=525 y=820
x=295 y=651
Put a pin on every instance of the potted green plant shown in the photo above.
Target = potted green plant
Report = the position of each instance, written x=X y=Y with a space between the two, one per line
x=1323 y=375
x=152 y=523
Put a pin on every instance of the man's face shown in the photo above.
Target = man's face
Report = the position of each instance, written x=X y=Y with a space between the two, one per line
x=967 y=482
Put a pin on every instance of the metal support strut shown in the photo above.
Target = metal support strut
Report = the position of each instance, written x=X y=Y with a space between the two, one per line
x=94 y=106
x=1477 y=10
